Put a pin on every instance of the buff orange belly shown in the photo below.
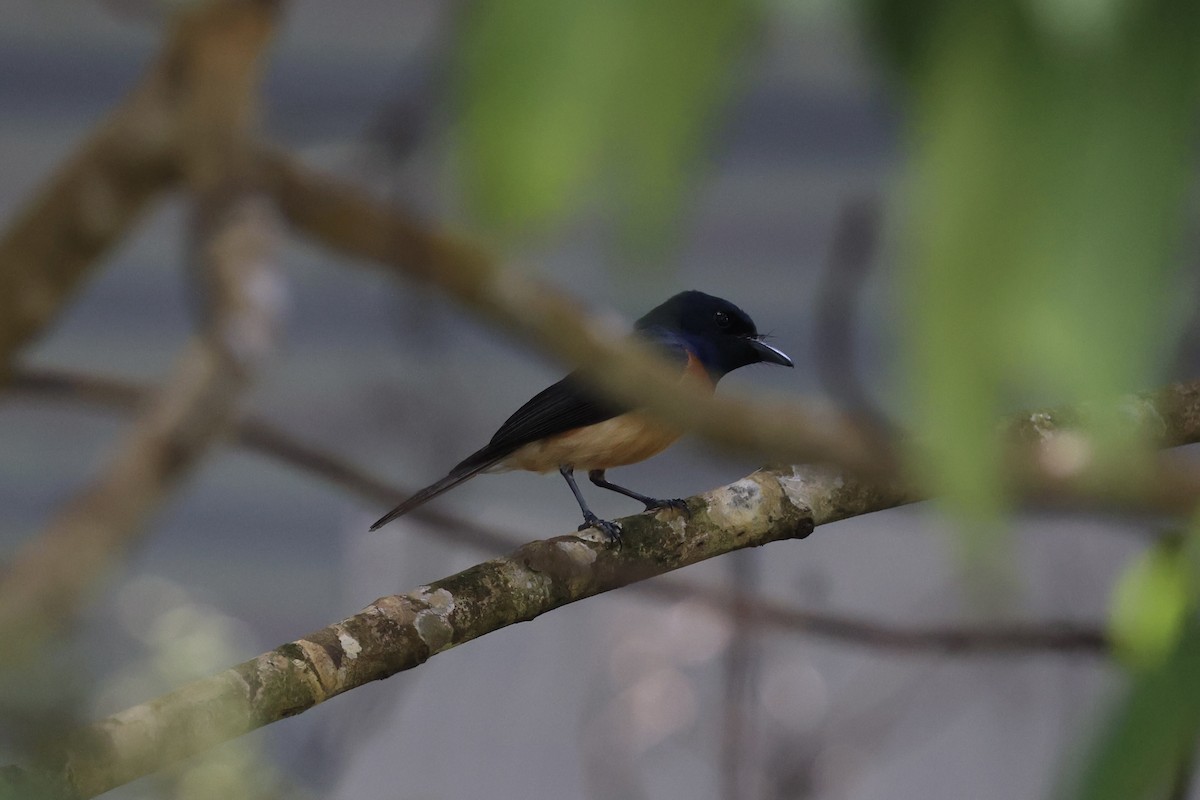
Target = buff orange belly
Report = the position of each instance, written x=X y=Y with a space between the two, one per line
x=621 y=440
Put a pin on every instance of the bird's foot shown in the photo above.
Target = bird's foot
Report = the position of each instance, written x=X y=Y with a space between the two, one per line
x=610 y=529
x=675 y=503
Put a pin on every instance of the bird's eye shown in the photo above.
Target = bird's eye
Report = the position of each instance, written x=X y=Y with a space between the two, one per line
x=722 y=319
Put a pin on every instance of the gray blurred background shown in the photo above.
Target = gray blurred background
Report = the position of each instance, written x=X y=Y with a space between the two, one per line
x=622 y=696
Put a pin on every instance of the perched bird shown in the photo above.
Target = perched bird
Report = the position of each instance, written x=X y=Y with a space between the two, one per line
x=568 y=427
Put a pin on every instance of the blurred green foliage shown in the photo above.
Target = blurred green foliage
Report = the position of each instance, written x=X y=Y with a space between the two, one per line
x=1153 y=600
x=1150 y=738
x=566 y=103
x=1050 y=150
x=1149 y=743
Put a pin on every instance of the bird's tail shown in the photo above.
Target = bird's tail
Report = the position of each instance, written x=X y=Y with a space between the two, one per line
x=463 y=472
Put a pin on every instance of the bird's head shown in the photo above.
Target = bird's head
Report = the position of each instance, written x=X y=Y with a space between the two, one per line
x=721 y=335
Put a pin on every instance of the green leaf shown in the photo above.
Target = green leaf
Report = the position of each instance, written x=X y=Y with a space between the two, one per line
x=1151 y=604
x=1152 y=732
x=682 y=72
x=535 y=85
x=561 y=100
x=1044 y=200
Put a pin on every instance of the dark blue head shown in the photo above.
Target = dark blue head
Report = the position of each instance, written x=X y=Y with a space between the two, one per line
x=718 y=332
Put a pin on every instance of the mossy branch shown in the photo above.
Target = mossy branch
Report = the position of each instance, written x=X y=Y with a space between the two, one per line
x=400 y=632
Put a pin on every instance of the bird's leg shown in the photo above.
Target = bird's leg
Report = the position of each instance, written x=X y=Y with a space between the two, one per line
x=596 y=476
x=610 y=529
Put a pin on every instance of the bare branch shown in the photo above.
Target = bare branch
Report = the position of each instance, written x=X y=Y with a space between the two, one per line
x=833 y=348
x=87 y=206
x=741 y=665
x=354 y=223
x=262 y=437
x=400 y=632
x=981 y=639
x=47 y=578
x=94 y=199
x=269 y=440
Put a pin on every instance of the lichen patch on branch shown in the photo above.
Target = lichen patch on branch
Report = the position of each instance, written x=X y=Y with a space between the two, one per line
x=809 y=488
x=432 y=623
x=578 y=552
x=350 y=645
x=736 y=505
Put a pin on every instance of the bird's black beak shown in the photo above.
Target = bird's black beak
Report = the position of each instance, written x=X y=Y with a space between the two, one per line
x=769 y=354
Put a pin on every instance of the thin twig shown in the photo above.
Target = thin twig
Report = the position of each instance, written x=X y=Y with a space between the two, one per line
x=260 y=436
x=741 y=662
x=971 y=639
x=354 y=223
x=833 y=347
x=263 y=437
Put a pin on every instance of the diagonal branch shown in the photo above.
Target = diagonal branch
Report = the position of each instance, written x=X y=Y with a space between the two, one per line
x=86 y=208
x=262 y=437
x=94 y=199
x=402 y=631
x=48 y=577
x=269 y=440
x=352 y=222
x=1011 y=638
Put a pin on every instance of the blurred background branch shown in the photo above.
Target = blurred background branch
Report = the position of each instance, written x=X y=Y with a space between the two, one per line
x=349 y=220
x=269 y=440
x=213 y=64
x=87 y=208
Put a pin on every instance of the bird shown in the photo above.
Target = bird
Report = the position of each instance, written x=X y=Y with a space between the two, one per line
x=568 y=426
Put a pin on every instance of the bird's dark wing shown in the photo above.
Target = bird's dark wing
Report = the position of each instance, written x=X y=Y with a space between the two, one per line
x=566 y=405
x=557 y=409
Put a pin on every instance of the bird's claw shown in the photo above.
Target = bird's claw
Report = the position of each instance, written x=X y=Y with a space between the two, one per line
x=675 y=503
x=611 y=530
